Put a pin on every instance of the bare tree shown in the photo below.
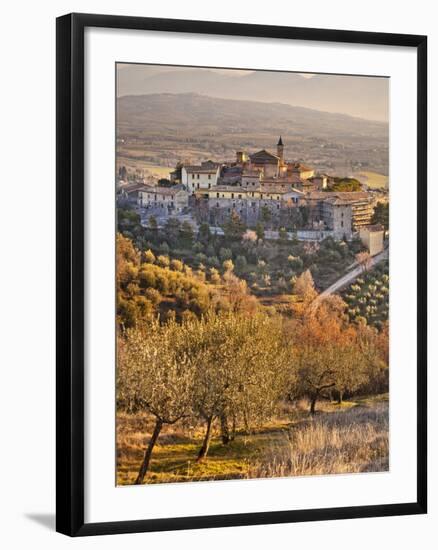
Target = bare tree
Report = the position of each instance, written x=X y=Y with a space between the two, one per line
x=364 y=260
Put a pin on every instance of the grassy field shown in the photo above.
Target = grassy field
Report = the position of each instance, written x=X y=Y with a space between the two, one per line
x=373 y=180
x=138 y=164
x=346 y=438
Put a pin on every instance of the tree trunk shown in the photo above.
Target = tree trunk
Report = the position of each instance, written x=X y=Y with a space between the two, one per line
x=147 y=455
x=313 y=403
x=233 y=429
x=225 y=431
x=206 y=443
x=340 y=397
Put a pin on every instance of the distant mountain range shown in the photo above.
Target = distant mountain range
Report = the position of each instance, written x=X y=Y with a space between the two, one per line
x=365 y=97
x=198 y=114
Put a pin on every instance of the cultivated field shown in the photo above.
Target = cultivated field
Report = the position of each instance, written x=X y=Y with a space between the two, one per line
x=347 y=438
x=373 y=180
x=137 y=163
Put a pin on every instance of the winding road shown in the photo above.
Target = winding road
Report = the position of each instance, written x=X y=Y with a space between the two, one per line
x=349 y=277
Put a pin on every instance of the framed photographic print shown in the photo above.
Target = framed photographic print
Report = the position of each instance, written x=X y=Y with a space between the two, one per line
x=241 y=274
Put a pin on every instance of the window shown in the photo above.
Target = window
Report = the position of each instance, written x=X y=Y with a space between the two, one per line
x=232 y=195
x=209 y=176
x=342 y=224
x=217 y=195
x=197 y=175
x=193 y=176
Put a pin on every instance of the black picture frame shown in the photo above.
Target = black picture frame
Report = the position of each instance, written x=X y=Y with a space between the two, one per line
x=70 y=273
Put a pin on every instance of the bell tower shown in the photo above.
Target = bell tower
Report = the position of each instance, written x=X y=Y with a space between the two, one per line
x=280 y=150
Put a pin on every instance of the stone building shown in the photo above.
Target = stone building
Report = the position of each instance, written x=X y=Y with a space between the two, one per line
x=265 y=162
x=270 y=165
x=251 y=205
x=164 y=201
x=372 y=236
x=130 y=190
x=337 y=216
x=301 y=170
x=361 y=205
x=203 y=176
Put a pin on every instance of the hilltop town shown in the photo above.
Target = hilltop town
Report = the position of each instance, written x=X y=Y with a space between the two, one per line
x=259 y=188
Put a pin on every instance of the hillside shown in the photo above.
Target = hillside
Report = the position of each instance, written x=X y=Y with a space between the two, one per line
x=163 y=128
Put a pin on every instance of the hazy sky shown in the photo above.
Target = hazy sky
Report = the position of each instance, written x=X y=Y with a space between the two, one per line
x=361 y=96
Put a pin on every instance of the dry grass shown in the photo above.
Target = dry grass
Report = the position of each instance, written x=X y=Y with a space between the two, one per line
x=347 y=438
x=373 y=180
x=332 y=443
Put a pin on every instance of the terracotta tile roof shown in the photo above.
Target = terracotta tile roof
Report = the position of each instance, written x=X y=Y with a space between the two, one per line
x=169 y=191
x=373 y=228
x=299 y=166
x=337 y=201
x=350 y=196
x=264 y=156
x=209 y=169
x=254 y=173
x=132 y=187
x=230 y=188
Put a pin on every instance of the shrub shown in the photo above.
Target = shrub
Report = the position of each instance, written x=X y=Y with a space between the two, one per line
x=228 y=265
x=241 y=262
x=215 y=277
x=213 y=261
x=225 y=254
x=164 y=248
x=163 y=261
x=147 y=278
x=153 y=296
x=176 y=265
x=149 y=257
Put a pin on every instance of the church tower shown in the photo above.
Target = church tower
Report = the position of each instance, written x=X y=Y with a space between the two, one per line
x=280 y=149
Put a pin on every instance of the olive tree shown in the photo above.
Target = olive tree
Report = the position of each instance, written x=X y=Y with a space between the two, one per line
x=260 y=376
x=155 y=374
x=239 y=374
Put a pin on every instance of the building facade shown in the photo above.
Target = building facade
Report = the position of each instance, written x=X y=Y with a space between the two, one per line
x=252 y=205
x=372 y=236
x=204 y=176
x=164 y=200
x=337 y=216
